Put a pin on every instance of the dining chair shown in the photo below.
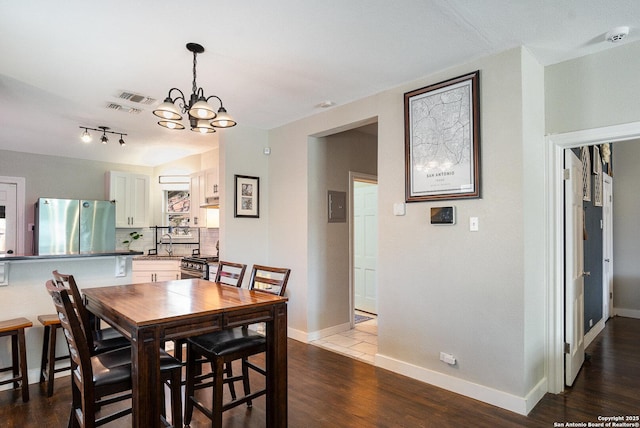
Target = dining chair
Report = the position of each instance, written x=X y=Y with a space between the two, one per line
x=99 y=340
x=105 y=378
x=223 y=347
x=228 y=273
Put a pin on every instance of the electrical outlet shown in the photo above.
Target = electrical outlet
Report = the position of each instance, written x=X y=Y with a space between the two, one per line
x=447 y=358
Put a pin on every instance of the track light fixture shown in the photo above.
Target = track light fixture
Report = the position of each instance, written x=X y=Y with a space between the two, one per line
x=202 y=117
x=86 y=136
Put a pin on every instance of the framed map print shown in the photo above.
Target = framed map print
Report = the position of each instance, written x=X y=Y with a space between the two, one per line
x=442 y=140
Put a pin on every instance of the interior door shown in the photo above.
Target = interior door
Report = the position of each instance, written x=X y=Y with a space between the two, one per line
x=8 y=217
x=574 y=268
x=607 y=247
x=365 y=216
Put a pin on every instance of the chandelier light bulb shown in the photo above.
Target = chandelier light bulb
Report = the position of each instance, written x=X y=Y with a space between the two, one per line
x=171 y=125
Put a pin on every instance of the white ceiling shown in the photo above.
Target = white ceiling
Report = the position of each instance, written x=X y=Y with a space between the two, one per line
x=273 y=62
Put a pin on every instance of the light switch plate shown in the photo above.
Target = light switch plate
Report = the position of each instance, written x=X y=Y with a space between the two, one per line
x=399 y=208
x=473 y=224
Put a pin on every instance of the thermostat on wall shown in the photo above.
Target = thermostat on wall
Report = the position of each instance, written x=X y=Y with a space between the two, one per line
x=443 y=215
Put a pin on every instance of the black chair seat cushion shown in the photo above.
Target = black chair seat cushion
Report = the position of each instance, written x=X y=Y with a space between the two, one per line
x=225 y=342
x=107 y=333
x=115 y=366
x=110 y=343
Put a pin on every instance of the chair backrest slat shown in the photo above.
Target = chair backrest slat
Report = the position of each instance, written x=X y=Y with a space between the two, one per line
x=269 y=279
x=230 y=273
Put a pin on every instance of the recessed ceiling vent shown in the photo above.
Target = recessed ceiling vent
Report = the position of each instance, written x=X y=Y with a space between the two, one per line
x=126 y=109
x=136 y=98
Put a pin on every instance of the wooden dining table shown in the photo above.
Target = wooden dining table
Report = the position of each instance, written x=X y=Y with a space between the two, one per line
x=151 y=313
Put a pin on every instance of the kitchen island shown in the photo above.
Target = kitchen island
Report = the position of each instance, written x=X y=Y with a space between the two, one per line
x=23 y=293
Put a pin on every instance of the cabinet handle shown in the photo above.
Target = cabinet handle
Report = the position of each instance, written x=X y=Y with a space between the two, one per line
x=215 y=189
x=195 y=221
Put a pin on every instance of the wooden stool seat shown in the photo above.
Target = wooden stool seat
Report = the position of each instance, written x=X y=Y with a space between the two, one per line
x=51 y=324
x=15 y=328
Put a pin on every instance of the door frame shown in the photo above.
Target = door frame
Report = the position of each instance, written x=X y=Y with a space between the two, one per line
x=20 y=183
x=554 y=225
x=353 y=177
x=607 y=240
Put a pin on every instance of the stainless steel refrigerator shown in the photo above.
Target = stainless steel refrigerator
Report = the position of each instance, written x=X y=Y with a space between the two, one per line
x=72 y=226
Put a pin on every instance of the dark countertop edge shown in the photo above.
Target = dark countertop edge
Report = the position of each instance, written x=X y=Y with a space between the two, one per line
x=14 y=258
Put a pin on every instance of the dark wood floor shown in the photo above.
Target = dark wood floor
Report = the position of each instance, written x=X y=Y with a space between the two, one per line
x=330 y=390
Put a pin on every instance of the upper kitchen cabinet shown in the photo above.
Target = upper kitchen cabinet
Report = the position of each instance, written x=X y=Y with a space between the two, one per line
x=204 y=191
x=211 y=183
x=131 y=193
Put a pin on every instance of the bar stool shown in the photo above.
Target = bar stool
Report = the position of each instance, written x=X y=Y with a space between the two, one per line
x=51 y=324
x=15 y=329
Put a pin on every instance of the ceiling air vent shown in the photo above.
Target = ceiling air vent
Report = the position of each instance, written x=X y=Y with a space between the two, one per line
x=126 y=109
x=136 y=98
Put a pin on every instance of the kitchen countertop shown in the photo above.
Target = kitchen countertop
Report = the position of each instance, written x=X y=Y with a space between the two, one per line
x=158 y=257
x=16 y=257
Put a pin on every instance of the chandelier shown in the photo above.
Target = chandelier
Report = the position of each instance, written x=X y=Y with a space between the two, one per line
x=87 y=138
x=202 y=117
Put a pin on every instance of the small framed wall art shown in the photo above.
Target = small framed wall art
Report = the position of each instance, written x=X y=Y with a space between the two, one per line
x=247 y=196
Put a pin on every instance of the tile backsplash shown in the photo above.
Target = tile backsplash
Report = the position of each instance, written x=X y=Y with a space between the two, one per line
x=208 y=240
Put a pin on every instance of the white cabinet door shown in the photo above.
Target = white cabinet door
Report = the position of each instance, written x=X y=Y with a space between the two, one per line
x=211 y=183
x=131 y=193
x=139 y=200
x=155 y=270
x=197 y=216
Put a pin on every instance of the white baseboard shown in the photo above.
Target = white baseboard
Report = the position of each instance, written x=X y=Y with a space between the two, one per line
x=307 y=337
x=629 y=313
x=513 y=403
x=595 y=331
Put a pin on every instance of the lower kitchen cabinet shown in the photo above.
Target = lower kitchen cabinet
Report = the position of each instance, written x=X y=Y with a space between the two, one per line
x=155 y=270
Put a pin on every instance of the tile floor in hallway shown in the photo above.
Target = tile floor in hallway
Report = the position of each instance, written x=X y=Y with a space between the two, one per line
x=360 y=343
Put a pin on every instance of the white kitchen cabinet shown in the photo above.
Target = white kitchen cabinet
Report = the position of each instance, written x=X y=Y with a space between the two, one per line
x=211 y=183
x=197 y=215
x=131 y=193
x=203 y=188
x=155 y=270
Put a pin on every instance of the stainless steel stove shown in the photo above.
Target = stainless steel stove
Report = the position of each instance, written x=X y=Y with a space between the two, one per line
x=196 y=266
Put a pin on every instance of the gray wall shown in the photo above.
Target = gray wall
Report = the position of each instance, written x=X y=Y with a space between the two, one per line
x=593 y=91
x=626 y=233
x=477 y=295
x=330 y=160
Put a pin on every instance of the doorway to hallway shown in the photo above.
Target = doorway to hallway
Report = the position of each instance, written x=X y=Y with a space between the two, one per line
x=364 y=242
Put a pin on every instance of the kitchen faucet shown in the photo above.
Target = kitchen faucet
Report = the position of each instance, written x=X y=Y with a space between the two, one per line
x=170 y=250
